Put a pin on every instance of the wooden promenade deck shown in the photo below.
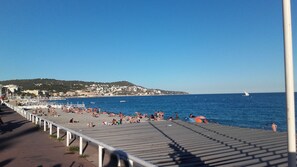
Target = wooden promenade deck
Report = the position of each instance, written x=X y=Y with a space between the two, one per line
x=178 y=143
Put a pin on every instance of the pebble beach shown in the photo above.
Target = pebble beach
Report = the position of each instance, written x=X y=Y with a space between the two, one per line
x=82 y=118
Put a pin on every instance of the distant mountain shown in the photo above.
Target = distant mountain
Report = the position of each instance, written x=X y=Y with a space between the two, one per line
x=53 y=85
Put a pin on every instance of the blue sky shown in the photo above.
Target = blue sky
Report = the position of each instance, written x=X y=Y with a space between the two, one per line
x=197 y=46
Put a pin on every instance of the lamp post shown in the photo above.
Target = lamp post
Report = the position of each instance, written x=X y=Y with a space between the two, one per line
x=289 y=78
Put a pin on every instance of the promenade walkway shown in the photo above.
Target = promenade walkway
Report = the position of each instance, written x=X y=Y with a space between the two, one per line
x=23 y=144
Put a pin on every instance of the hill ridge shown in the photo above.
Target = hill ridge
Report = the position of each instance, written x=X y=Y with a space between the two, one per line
x=101 y=88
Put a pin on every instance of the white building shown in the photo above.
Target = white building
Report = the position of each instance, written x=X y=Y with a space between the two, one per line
x=35 y=92
x=12 y=88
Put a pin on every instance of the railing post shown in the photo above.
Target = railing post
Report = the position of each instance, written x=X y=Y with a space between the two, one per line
x=119 y=160
x=58 y=132
x=80 y=145
x=36 y=120
x=51 y=128
x=131 y=163
x=67 y=139
x=30 y=117
x=100 y=156
x=44 y=125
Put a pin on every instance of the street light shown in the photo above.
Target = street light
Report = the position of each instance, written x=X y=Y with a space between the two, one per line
x=289 y=78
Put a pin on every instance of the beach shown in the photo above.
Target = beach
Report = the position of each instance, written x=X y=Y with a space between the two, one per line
x=258 y=110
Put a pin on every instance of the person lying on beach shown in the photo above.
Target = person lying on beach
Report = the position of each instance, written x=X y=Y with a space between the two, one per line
x=95 y=115
x=72 y=121
x=139 y=115
x=106 y=123
x=134 y=120
x=152 y=117
x=111 y=115
x=91 y=124
x=114 y=122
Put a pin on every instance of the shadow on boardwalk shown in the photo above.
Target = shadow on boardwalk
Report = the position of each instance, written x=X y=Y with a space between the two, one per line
x=9 y=126
x=246 y=150
x=180 y=155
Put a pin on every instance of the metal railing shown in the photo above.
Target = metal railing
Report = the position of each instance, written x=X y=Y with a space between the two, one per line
x=121 y=155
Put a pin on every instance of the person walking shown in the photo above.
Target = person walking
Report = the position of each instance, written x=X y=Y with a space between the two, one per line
x=274 y=127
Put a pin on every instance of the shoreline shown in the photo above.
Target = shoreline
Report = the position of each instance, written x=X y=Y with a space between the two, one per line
x=190 y=94
x=73 y=97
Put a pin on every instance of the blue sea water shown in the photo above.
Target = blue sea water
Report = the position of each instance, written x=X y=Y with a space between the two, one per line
x=259 y=110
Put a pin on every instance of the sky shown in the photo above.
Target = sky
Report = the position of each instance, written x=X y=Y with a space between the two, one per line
x=196 y=46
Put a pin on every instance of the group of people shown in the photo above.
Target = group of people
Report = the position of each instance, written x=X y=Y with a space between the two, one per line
x=77 y=110
x=157 y=116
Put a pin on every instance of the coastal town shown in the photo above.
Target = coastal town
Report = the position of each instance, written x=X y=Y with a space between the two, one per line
x=55 y=88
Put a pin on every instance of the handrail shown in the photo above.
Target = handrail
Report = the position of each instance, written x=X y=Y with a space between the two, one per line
x=119 y=152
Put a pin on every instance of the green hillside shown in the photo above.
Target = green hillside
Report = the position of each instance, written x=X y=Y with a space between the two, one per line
x=53 y=85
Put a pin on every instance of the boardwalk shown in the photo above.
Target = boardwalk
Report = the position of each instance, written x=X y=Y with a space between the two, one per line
x=182 y=144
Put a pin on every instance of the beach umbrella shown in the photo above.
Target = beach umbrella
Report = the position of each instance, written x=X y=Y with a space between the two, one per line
x=198 y=120
x=201 y=117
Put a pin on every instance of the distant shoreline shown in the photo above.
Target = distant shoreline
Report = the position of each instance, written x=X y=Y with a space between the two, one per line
x=72 y=97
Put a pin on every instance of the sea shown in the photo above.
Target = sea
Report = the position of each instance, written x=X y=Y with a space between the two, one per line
x=259 y=110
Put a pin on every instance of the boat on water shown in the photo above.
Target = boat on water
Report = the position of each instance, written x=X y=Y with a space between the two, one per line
x=92 y=102
x=123 y=101
x=246 y=94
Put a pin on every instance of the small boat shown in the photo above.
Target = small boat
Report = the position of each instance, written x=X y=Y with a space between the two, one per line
x=92 y=102
x=246 y=94
x=123 y=101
